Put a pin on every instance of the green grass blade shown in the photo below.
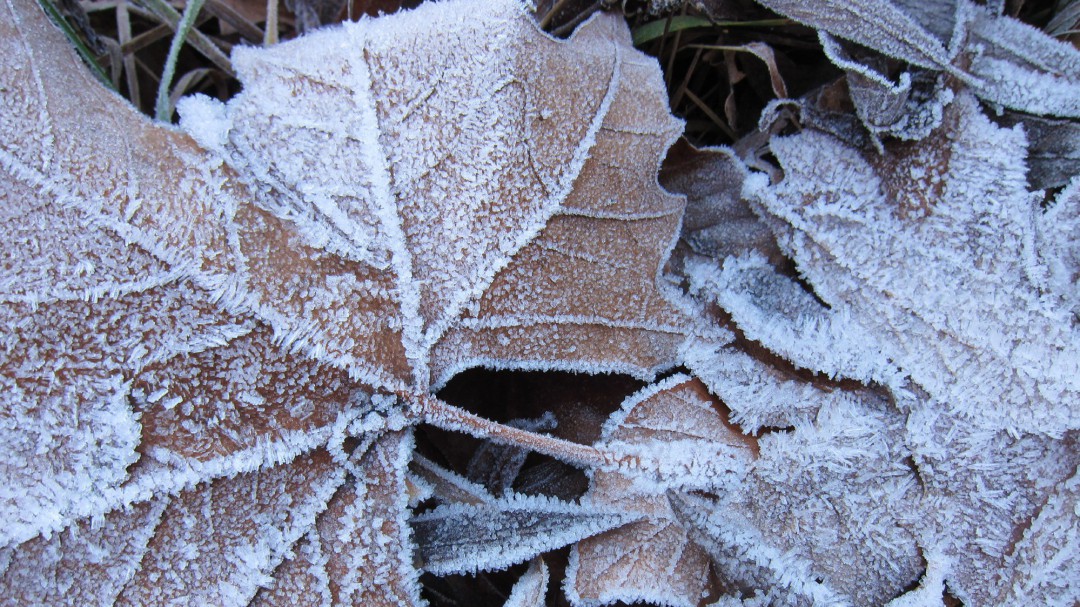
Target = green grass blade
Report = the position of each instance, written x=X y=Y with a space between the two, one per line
x=163 y=107
x=655 y=29
x=80 y=47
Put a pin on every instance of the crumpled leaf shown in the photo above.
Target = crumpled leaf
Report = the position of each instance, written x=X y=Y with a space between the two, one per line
x=718 y=222
x=937 y=265
x=1001 y=59
x=194 y=308
x=652 y=559
x=909 y=108
x=1004 y=354
x=874 y=518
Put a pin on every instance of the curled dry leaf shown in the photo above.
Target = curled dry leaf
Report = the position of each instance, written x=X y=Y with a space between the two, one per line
x=1000 y=59
x=193 y=310
x=718 y=220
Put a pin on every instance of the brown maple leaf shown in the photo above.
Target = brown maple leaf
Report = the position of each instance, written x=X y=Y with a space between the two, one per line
x=200 y=317
x=652 y=558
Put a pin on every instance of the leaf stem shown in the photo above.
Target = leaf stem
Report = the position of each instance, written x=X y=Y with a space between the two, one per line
x=449 y=417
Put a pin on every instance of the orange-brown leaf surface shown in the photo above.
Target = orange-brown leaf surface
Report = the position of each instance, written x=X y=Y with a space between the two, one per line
x=653 y=559
x=201 y=320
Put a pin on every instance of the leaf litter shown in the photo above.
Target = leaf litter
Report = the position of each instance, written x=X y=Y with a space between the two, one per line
x=883 y=345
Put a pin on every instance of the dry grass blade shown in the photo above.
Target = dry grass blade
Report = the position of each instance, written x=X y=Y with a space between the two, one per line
x=271 y=35
x=761 y=51
x=227 y=14
x=123 y=29
x=188 y=82
x=1066 y=21
x=708 y=111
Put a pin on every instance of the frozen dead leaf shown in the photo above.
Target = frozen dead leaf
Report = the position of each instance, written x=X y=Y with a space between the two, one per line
x=369 y=217
x=758 y=395
x=896 y=243
x=359 y=551
x=781 y=315
x=531 y=589
x=986 y=496
x=939 y=267
x=818 y=514
x=1021 y=67
x=1047 y=558
x=1053 y=149
x=213 y=543
x=86 y=564
x=417 y=235
x=652 y=559
x=1058 y=244
x=718 y=221
x=876 y=24
x=1001 y=59
x=909 y=108
x=466 y=538
x=216 y=543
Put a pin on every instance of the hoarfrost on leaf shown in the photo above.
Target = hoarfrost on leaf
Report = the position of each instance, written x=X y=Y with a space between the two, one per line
x=942 y=285
x=422 y=242
x=1000 y=59
x=458 y=538
x=1004 y=353
x=651 y=557
x=530 y=590
x=286 y=278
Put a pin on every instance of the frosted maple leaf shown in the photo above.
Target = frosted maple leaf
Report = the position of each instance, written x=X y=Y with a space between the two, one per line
x=221 y=336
